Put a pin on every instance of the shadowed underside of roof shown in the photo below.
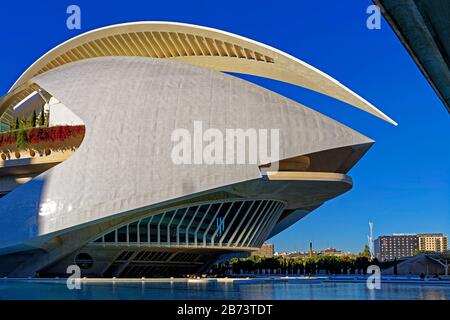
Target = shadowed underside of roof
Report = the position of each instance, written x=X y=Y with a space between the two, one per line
x=206 y=47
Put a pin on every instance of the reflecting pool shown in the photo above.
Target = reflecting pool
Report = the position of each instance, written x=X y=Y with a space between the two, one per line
x=253 y=289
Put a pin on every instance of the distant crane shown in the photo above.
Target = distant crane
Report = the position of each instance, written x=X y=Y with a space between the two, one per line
x=370 y=240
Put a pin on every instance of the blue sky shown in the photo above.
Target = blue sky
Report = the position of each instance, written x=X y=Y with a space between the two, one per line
x=401 y=184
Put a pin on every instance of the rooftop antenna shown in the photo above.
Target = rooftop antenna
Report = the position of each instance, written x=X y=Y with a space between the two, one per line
x=370 y=239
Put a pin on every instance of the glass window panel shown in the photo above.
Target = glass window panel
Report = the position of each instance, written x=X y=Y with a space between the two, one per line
x=166 y=219
x=173 y=233
x=153 y=233
x=132 y=232
x=122 y=234
x=233 y=225
x=248 y=221
x=185 y=223
x=143 y=230
x=110 y=237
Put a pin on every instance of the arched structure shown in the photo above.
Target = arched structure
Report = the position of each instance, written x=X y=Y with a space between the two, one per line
x=206 y=47
x=121 y=206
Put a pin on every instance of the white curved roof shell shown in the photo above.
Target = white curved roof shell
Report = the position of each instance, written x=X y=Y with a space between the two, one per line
x=202 y=46
x=131 y=106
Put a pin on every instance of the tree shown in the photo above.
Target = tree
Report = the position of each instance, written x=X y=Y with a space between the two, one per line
x=33 y=119
x=47 y=119
x=21 y=139
x=417 y=252
x=366 y=252
x=303 y=265
x=17 y=125
x=42 y=117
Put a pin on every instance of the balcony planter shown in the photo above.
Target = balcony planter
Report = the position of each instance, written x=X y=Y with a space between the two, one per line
x=43 y=140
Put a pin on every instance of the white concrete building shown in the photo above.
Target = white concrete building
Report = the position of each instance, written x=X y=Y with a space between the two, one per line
x=120 y=206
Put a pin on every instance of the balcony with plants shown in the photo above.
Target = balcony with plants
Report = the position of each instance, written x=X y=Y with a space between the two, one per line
x=32 y=137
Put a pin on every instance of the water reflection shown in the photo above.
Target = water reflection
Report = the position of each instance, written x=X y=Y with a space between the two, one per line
x=260 y=290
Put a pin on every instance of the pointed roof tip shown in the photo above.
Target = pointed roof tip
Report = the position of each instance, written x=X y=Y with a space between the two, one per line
x=378 y=113
x=388 y=119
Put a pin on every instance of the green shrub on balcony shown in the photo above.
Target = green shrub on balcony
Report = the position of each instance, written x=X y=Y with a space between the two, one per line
x=21 y=141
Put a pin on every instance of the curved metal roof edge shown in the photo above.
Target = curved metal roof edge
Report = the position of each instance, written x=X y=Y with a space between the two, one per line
x=346 y=95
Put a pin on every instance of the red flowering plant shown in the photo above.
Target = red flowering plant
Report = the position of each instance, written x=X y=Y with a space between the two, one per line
x=7 y=139
x=58 y=138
